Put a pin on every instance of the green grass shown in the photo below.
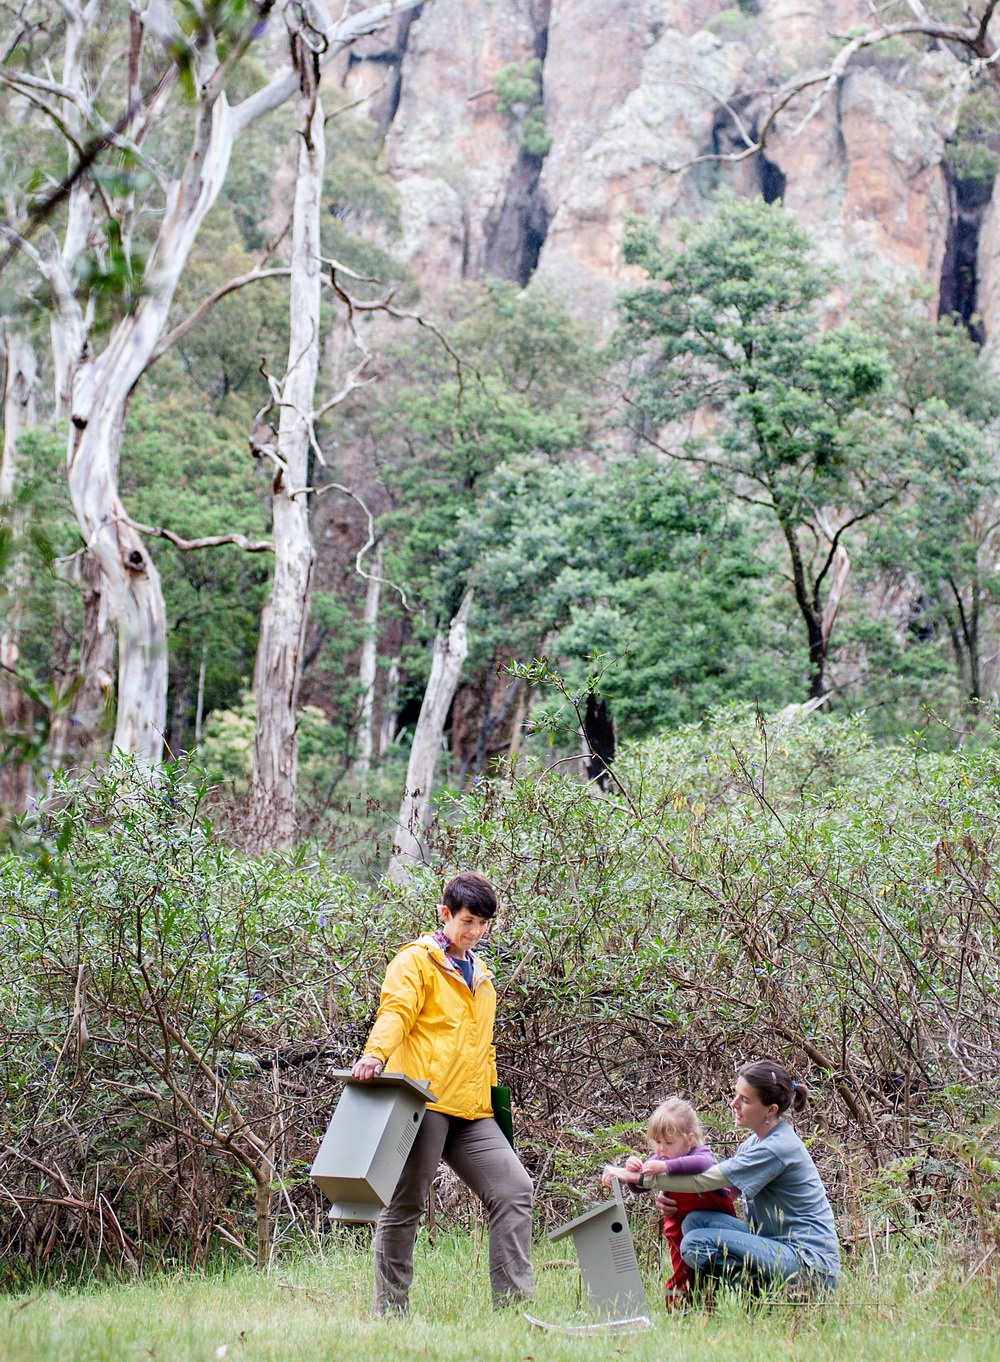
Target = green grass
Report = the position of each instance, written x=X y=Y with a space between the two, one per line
x=931 y=1306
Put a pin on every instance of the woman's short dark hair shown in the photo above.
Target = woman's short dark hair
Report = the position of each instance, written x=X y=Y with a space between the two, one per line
x=775 y=1085
x=473 y=891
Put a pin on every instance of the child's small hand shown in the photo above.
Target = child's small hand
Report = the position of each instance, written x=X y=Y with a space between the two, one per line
x=622 y=1174
x=633 y=1163
x=654 y=1167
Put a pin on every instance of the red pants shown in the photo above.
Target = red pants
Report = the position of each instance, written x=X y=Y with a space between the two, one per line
x=673 y=1230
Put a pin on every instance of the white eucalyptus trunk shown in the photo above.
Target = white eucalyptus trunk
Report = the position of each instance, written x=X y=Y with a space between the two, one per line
x=19 y=415
x=840 y=571
x=19 y=407
x=93 y=390
x=283 y=623
x=199 y=709
x=387 y=728
x=368 y=666
x=449 y=654
x=838 y=583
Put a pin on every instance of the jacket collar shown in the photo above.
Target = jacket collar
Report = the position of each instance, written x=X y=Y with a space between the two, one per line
x=436 y=944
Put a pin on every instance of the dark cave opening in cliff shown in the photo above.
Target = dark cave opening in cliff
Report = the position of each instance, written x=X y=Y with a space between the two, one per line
x=772 y=180
x=518 y=234
x=958 y=291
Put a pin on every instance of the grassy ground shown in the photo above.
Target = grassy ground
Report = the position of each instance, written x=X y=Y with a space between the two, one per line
x=913 y=1308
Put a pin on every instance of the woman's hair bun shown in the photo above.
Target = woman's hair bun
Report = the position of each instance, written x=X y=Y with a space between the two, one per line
x=775 y=1085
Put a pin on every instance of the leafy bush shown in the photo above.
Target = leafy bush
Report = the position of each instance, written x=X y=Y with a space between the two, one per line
x=163 y=990
x=535 y=136
x=973 y=161
x=970 y=152
x=737 y=25
x=517 y=85
x=519 y=98
x=174 y=1011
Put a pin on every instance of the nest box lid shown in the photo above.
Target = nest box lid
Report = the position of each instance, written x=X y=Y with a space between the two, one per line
x=416 y=1087
x=614 y=1203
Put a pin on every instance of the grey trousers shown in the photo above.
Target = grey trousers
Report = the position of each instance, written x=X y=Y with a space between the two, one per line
x=485 y=1162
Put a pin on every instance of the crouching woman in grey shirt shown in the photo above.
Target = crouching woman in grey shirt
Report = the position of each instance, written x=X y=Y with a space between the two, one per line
x=790 y=1236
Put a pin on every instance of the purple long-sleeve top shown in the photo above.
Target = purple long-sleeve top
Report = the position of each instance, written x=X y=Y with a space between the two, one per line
x=700 y=1160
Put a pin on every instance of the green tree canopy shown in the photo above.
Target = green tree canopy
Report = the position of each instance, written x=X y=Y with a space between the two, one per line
x=635 y=561
x=731 y=371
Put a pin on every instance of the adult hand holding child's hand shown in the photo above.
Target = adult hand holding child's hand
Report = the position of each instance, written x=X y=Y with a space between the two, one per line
x=665 y=1204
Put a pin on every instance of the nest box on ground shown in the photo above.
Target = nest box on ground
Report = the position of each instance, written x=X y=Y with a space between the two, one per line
x=366 y=1143
x=604 y=1247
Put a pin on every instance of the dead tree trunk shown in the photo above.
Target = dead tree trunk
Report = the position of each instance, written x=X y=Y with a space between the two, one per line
x=449 y=653
x=367 y=669
x=279 y=651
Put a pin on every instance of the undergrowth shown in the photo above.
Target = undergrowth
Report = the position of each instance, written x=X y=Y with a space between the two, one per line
x=172 y=1012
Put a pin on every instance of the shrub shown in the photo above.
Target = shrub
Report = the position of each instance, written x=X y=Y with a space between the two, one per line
x=519 y=98
x=174 y=1011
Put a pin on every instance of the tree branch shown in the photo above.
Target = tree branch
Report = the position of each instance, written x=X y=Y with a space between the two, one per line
x=338 y=36
x=211 y=541
x=88 y=155
x=865 y=514
x=114 y=134
x=984 y=22
x=975 y=39
x=191 y=321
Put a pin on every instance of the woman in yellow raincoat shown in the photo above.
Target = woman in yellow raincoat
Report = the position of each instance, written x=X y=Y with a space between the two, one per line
x=435 y=1022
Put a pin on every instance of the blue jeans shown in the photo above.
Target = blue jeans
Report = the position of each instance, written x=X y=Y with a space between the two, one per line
x=720 y=1246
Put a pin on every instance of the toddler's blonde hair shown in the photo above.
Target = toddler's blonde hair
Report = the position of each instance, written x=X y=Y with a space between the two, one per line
x=672 y=1118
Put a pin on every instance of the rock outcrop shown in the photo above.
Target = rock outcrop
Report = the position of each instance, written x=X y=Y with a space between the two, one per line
x=635 y=90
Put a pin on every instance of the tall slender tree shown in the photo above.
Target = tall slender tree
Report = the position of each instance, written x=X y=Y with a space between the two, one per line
x=283 y=623
x=20 y=413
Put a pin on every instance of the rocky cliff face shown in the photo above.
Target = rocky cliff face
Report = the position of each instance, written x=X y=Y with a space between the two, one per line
x=633 y=89
x=637 y=96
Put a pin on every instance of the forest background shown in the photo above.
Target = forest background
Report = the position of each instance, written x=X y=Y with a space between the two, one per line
x=679 y=582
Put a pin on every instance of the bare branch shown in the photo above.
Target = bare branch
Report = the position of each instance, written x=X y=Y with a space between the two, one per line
x=975 y=39
x=354 y=104
x=18 y=243
x=782 y=99
x=369 y=542
x=211 y=541
x=984 y=21
x=191 y=321
x=29 y=86
x=51 y=87
x=354 y=381
x=339 y=35
x=88 y=155
x=741 y=127
x=344 y=269
x=865 y=514
x=30 y=93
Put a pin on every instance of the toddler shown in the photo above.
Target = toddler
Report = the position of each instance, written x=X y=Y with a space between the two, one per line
x=677 y=1140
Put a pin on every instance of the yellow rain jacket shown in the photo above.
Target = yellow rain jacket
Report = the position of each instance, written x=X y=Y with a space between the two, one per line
x=431 y=1025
